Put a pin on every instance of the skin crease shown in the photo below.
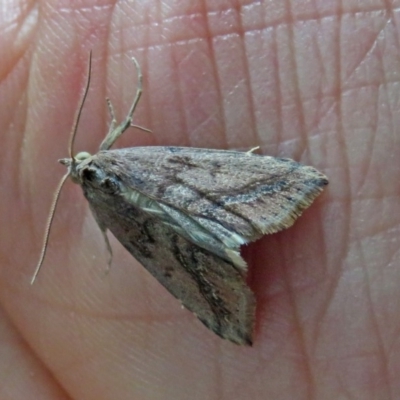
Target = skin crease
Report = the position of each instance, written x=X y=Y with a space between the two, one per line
x=313 y=81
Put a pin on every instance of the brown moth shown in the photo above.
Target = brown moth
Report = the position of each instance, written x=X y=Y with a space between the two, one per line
x=184 y=213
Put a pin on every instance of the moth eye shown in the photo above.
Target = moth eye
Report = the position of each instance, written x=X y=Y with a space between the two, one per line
x=89 y=174
x=108 y=185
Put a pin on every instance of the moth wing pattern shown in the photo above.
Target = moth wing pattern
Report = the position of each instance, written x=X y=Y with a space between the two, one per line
x=184 y=213
x=212 y=288
x=216 y=198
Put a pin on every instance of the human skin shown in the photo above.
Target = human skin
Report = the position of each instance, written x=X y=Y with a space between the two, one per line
x=313 y=81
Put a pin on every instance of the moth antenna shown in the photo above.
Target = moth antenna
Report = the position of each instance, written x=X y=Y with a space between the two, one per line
x=48 y=226
x=114 y=133
x=78 y=115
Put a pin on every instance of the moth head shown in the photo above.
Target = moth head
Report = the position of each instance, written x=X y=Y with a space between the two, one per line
x=72 y=163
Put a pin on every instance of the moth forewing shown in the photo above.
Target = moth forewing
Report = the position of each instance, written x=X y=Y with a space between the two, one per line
x=184 y=213
x=214 y=289
x=187 y=230
x=231 y=198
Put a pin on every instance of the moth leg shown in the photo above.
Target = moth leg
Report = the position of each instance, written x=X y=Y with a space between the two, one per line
x=252 y=150
x=114 y=120
x=103 y=230
x=141 y=128
x=109 y=249
x=114 y=134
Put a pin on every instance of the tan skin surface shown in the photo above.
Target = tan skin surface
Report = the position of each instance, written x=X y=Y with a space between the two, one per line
x=313 y=81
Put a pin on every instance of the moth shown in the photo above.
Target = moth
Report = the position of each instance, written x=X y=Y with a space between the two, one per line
x=184 y=214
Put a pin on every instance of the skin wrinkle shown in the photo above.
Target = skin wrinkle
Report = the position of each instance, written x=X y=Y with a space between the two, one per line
x=363 y=57
x=251 y=95
x=320 y=95
x=279 y=96
x=344 y=92
x=382 y=357
x=327 y=301
x=157 y=44
x=222 y=97
x=365 y=176
x=179 y=102
x=317 y=17
x=214 y=65
x=308 y=370
x=394 y=22
x=247 y=78
x=301 y=341
x=180 y=92
x=26 y=19
x=392 y=257
x=370 y=148
x=159 y=6
x=147 y=99
x=20 y=172
x=297 y=92
x=106 y=70
x=218 y=374
x=109 y=315
x=343 y=248
x=203 y=123
x=387 y=82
